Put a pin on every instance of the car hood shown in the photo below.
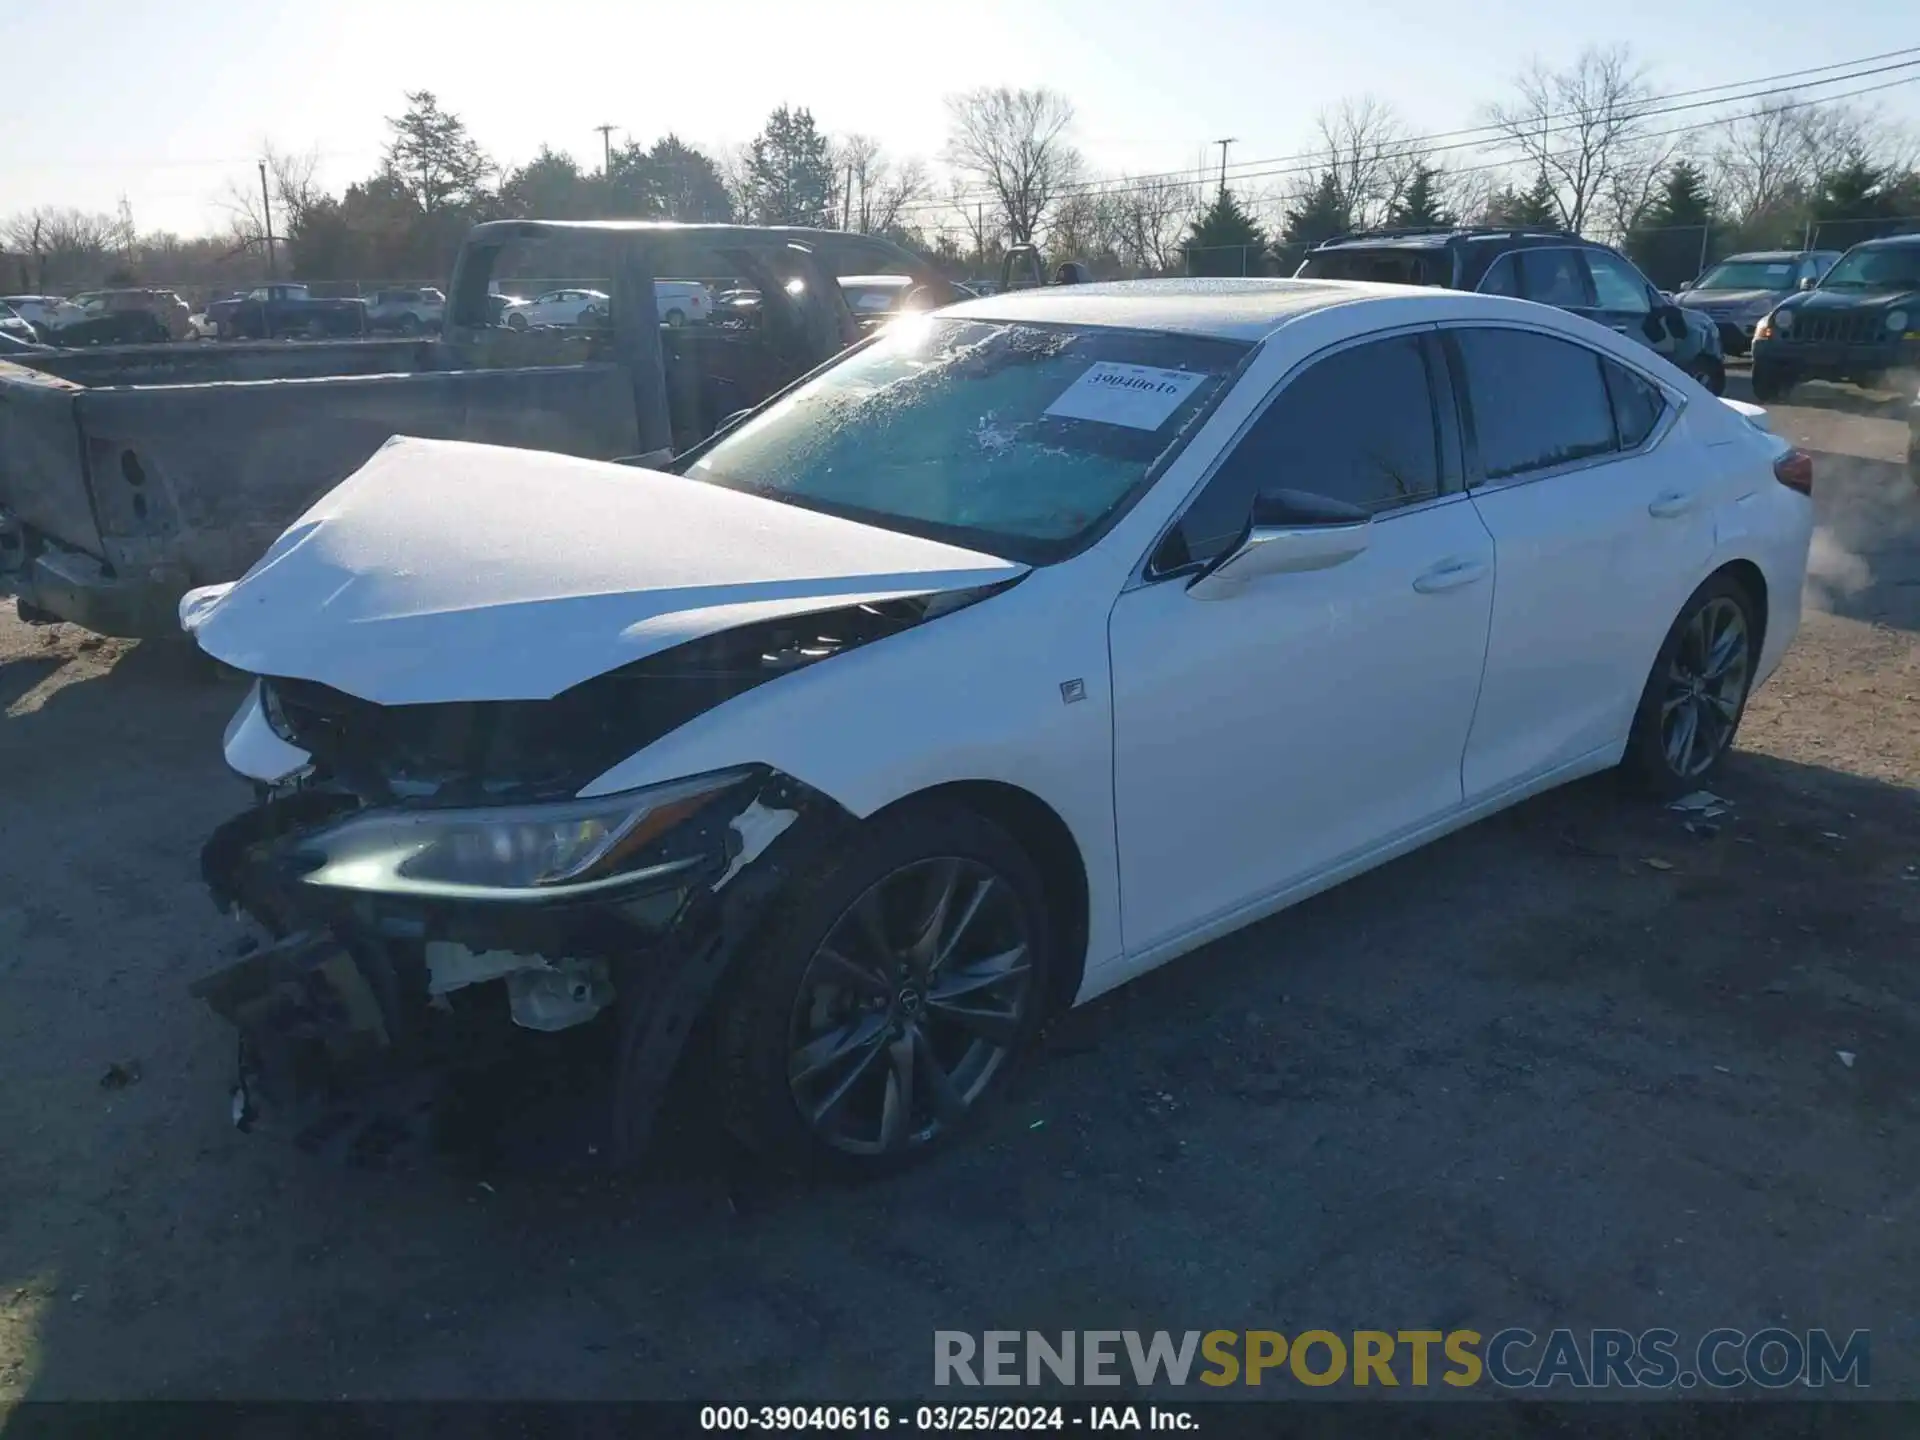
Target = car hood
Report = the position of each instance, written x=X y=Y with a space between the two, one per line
x=1731 y=299
x=447 y=571
x=1854 y=300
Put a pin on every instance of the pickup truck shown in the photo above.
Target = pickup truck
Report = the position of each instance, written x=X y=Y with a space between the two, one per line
x=269 y=310
x=129 y=476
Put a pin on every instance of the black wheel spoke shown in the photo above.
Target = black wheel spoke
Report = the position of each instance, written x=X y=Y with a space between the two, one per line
x=979 y=975
x=871 y=919
x=823 y=1053
x=832 y=966
x=896 y=1105
x=837 y=1097
x=960 y=926
x=946 y=881
x=892 y=1040
x=946 y=1101
x=996 y=1027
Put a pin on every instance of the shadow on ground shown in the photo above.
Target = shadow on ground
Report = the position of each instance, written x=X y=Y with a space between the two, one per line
x=1573 y=1066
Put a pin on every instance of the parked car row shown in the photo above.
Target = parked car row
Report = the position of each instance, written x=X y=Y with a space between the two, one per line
x=1547 y=266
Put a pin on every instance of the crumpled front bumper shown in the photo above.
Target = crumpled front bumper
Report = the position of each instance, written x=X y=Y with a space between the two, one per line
x=351 y=1039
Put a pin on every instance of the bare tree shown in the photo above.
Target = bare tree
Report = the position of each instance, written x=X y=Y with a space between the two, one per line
x=1368 y=151
x=1014 y=144
x=293 y=189
x=1581 y=126
x=63 y=245
x=1635 y=184
x=1151 y=219
x=877 y=187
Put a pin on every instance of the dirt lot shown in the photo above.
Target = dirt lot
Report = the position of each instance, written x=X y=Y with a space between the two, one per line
x=1526 y=1077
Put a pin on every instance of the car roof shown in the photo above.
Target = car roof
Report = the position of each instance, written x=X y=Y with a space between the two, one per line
x=1229 y=309
x=1890 y=242
x=876 y=280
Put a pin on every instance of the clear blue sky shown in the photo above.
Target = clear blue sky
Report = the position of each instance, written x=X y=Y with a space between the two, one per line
x=166 y=102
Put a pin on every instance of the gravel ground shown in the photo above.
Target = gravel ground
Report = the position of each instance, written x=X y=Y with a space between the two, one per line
x=1524 y=1077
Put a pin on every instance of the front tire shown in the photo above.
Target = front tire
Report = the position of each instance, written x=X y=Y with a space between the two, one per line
x=888 y=996
x=1772 y=382
x=1697 y=693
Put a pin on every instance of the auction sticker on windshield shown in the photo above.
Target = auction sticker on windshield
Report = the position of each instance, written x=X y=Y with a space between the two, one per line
x=1140 y=397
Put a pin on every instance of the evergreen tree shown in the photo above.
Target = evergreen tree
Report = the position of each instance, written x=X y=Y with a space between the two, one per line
x=1671 y=238
x=433 y=159
x=790 y=172
x=1420 y=204
x=1322 y=214
x=1538 y=205
x=1224 y=240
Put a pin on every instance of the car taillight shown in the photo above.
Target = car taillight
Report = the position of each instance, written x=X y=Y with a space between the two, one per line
x=1795 y=471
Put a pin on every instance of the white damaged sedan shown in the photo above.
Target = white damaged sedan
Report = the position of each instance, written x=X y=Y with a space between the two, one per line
x=1022 y=649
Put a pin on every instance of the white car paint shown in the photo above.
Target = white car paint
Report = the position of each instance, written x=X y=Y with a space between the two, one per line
x=557 y=570
x=688 y=299
x=1213 y=759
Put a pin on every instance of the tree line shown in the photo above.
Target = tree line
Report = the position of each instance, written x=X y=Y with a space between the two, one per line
x=1587 y=148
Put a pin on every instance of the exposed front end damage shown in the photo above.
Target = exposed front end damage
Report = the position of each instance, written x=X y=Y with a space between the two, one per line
x=361 y=1010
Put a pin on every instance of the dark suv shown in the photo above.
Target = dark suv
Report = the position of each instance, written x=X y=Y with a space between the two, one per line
x=1860 y=323
x=1551 y=267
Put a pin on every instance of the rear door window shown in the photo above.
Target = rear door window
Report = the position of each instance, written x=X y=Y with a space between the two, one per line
x=1537 y=401
x=1556 y=277
x=1638 y=404
x=1503 y=277
x=1617 y=284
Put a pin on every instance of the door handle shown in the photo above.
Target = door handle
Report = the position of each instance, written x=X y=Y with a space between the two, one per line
x=1450 y=575
x=1670 y=504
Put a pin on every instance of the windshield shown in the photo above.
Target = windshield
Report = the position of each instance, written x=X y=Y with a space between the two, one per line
x=1017 y=439
x=1387 y=266
x=1749 y=275
x=1896 y=267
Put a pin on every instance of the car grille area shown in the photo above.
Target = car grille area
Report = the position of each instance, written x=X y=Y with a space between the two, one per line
x=1834 y=327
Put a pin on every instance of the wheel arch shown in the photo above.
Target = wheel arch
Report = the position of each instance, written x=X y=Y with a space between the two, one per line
x=1038 y=829
x=1750 y=578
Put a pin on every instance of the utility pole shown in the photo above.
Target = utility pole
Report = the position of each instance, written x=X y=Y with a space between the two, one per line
x=266 y=214
x=606 y=148
x=846 y=201
x=1223 y=144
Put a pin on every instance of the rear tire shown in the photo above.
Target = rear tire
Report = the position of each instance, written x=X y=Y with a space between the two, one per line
x=894 y=1017
x=676 y=318
x=1696 y=693
x=1771 y=383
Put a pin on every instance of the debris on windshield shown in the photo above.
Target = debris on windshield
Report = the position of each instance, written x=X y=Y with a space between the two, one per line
x=1847 y=1057
x=1655 y=863
x=120 y=1075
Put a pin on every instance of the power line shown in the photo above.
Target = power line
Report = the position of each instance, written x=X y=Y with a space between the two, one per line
x=1421 y=146
x=1314 y=160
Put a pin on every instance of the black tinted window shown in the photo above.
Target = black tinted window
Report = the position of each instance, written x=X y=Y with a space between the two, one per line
x=1357 y=426
x=1503 y=276
x=1637 y=404
x=1537 y=401
x=1555 y=277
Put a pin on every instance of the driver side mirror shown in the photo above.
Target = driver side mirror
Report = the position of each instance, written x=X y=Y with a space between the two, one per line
x=1288 y=532
x=1807 y=282
x=1683 y=287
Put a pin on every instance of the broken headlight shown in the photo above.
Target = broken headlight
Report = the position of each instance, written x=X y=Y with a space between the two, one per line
x=516 y=852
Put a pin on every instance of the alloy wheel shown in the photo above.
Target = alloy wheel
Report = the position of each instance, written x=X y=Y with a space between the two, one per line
x=910 y=1006
x=1705 y=687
